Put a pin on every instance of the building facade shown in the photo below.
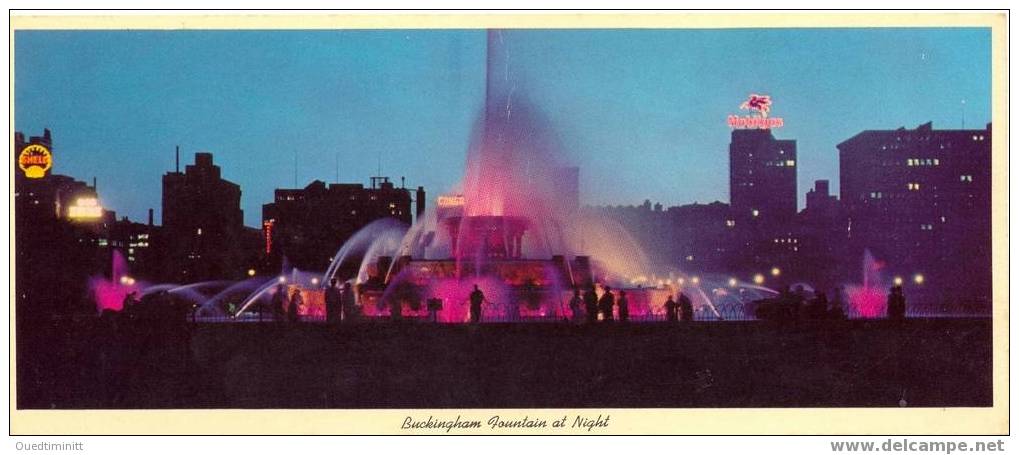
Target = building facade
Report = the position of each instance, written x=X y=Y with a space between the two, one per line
x=762 y=176
x=58 y=225
x=202 y=224
x=920 y=200
x=307 y=226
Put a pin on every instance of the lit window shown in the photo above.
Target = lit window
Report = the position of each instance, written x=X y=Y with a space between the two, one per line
x=936 y=163
x=730 y=223
x=755 y=213
x=199 y=231
x=965 y=178
x=909 y=162
x=790 y=162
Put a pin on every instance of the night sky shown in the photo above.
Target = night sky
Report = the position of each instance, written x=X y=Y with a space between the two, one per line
x=641 y=111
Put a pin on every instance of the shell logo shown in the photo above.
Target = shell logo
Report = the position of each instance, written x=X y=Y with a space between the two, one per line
x=35 y=160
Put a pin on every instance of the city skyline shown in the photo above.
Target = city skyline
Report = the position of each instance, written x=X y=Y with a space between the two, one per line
x=410 y=106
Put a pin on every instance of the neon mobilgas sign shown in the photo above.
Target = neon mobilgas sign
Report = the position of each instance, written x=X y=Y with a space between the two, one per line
x=759 y=107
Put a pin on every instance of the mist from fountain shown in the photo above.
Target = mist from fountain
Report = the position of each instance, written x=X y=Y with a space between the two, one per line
x=867 y=299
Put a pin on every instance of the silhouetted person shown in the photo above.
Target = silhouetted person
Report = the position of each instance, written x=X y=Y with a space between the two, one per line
x=295 y=304
x=818 y=307
x=129 y=302
x=607 y=302
x=670 y=310
x=624 y=307
x=333 y=303
x=591 y=305
x=279 y=302
x=575 y=303
x=799 y=301
x=685 y=308
x=477 y=298
x=395 y=309
x=835 y=311
x=896 y=304
x=347 y=303
x=434 y=305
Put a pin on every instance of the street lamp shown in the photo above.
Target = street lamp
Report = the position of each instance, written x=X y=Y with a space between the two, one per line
x=695 y=280
x=918 y=278
x=283 y=279
x=897 y=281
x=251 y=272
x=733 y=282
x=775 y=271
x=758 y=279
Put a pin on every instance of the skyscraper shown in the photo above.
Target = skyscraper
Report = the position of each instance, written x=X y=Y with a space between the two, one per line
x=762 y=177
x=920 y=200
x=203 y=223
x=308 y=225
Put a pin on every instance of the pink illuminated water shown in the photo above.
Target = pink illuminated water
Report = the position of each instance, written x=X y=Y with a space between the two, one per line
x=868 y=298
x=109 y=293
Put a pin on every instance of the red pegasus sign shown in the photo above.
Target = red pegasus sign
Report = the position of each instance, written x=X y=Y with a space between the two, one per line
x=760 y=107
x=759 y=103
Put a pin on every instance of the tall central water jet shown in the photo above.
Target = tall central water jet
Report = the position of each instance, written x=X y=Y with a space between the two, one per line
x=512 y=227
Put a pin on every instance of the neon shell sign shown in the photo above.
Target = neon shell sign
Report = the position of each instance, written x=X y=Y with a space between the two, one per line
x=759 y=107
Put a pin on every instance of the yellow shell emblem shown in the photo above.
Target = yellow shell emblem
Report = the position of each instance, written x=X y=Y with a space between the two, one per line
x=35 y=160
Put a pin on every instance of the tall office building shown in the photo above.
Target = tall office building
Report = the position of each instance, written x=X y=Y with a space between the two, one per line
x=762 y=177
x=920 y=200
x=306 y=226
x=202 y=223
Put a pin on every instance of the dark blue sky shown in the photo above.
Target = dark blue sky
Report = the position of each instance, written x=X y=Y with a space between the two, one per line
x=642 y=111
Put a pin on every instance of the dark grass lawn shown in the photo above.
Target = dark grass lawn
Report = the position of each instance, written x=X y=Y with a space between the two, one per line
x=92 y=364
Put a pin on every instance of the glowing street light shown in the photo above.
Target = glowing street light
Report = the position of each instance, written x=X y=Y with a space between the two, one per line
x=283 y=279
x=897 y=281
x=918 y=278
x=695 y=280
x=314 y=281
x=758 y=279
x=775 y=271
x=733 y=282
x=251 y=272
x=680 y=281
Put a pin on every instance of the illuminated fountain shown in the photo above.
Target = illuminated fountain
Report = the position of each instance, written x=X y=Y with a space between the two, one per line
x=867 y=299
x=512 y=227
x=109 y=293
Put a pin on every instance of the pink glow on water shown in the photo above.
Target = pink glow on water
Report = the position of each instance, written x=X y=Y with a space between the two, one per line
x=868 y=298
x=868 y=302
x=109 y=293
